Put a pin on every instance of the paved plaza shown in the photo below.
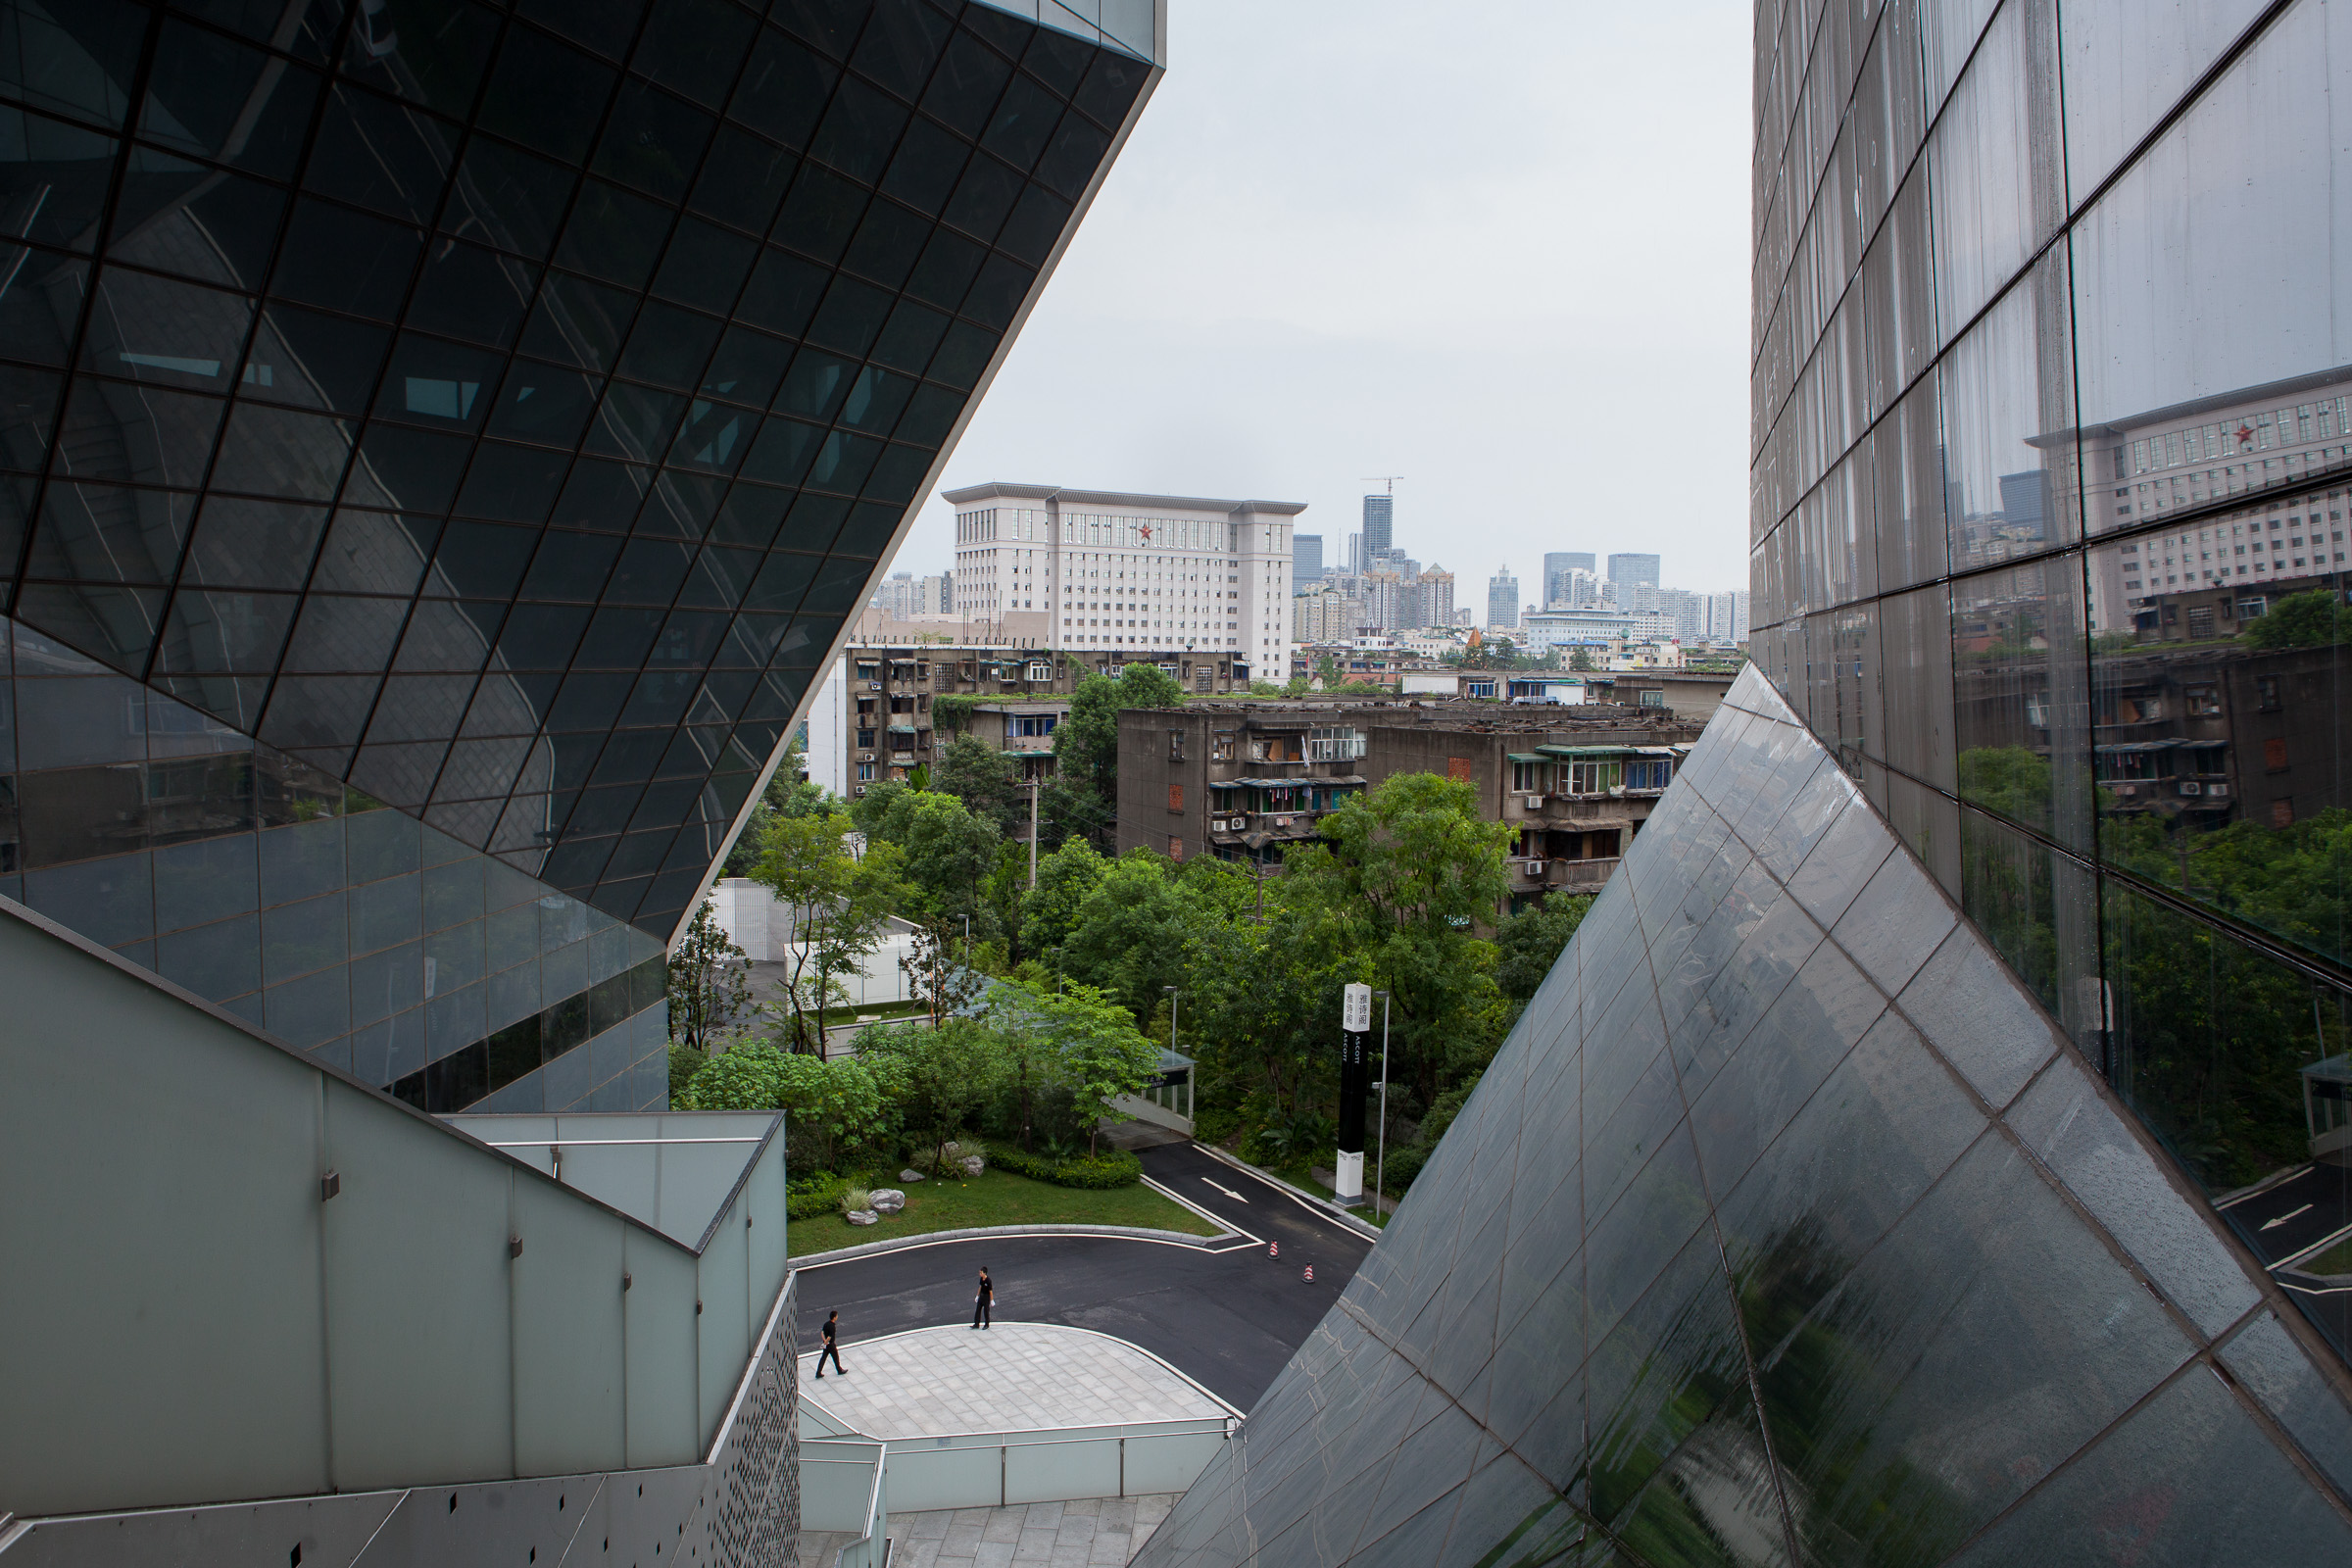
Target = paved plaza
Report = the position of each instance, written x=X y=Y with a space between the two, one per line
x=1098 y=1533
x=1014 y=1377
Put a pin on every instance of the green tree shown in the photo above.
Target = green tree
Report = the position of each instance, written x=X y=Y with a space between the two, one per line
x=1531 y=942
x=868 y=811
x=986 y=781
x=947 y=852
x=841 y=904
x=1050 y=910
x=684 y=1063
x=1579 y=659
x=945 y=1071
x=1066 y=812
x=1411 y=853
x=2313 y=619
x=709 y=982
x=1130 y=933
x=1086 y=744
x=748 y=1077
x=1409 y=872
x=1092 y=1040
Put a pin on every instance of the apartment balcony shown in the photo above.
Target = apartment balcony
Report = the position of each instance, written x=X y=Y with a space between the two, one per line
x=1530 y=874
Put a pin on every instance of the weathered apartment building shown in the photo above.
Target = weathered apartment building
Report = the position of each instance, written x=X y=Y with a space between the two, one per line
x=871 y=716
x=1242 y=780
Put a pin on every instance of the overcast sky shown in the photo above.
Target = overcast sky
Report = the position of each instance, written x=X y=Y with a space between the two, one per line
x=1499 y=249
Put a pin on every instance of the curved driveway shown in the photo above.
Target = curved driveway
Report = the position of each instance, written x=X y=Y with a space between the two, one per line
x=1228 y=1319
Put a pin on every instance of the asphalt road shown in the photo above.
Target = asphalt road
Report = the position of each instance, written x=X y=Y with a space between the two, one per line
x=1229 y=1319
x=2292 y=1217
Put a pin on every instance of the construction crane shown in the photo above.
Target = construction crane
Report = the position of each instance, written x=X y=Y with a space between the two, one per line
x=1390 y=479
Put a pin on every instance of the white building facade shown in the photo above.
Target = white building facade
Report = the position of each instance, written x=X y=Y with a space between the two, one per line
x=1137 y=574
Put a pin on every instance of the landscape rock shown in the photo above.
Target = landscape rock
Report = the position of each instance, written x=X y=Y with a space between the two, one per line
x=888 y=1199
x=972 y=1164
x=862 y=1216
x=910 y=1175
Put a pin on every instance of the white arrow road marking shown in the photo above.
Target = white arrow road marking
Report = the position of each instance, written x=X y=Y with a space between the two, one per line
x=2274 y=1224
x=1238 y=1199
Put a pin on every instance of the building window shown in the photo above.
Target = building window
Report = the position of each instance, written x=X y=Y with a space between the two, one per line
x=1653 y=697
x=866 y=771
x=1220 y=744
x=1594 y=778
x=1335 y=744
x=1531 y=778
x=2274 y=754
x=1458 y=767
x=1041 y=671
x=1175 y=797
x=1648 y=773
x=2283 y=811
x=1175 y=848
x=2203 y=702
x=1175 y=746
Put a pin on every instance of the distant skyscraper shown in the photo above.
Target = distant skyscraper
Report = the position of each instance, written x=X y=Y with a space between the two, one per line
x=1355 y=554
x=1380 y=524
x=1503 y=600
x=1557 y=564
x=1633 y=569
x=1307 y=559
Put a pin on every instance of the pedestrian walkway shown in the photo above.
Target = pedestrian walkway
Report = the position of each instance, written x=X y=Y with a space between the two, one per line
x=1098 y=1533
x=1014 y=1377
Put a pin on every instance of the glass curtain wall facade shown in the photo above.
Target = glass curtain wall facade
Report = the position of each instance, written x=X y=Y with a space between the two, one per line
x=2050 y=486
x=1787 y=1228
x=439 y=441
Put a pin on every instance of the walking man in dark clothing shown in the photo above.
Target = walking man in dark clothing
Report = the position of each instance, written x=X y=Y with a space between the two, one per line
x=981 y=1302
x=832 y=1347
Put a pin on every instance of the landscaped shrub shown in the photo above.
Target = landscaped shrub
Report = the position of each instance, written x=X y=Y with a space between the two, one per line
x=1112 y=1167
x=811 y=1197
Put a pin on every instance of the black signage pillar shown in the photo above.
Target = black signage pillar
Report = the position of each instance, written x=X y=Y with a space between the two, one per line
x=1355 y=1060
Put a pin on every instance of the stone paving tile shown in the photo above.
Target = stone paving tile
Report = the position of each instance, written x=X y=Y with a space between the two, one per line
x=1014 y=1377
x=1090 y=1533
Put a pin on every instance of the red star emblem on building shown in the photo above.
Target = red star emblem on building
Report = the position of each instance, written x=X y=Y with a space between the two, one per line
x=1145 y=529
x=2245 y=435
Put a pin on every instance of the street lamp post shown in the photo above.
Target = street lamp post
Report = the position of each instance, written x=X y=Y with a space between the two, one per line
x=1380 y=1159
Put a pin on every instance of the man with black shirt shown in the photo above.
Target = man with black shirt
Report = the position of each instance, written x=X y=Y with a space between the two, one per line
x=981 y=1302
x=831 y=1348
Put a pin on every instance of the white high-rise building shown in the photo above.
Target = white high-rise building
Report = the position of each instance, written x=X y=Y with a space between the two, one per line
x=1131 y=573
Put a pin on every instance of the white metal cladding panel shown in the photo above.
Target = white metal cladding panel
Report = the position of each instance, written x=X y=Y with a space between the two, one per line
x=418 y=1291
x=723 y=1325
x=923 y=1479
x=761 y=1204
x=155 y=1287
x=663 y=1390
x=1042 y=1472
x=1168 y=1463
x=568 y=1351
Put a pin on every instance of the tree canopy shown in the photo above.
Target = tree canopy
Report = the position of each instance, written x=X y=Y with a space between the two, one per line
x=2313 y=619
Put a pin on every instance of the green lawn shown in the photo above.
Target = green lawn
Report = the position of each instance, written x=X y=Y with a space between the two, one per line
x=997 y=1197
x=2336 y=1260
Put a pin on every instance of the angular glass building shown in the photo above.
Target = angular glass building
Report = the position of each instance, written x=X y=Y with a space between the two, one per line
x=1933 y=1147
x=439 y=440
